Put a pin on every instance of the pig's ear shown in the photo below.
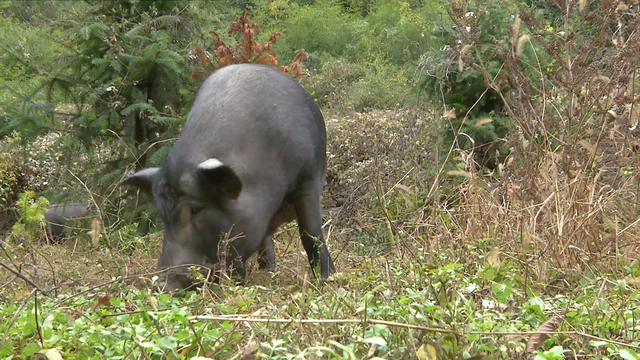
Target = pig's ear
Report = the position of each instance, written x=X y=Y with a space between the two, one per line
x=143 y=179
x=214 y=172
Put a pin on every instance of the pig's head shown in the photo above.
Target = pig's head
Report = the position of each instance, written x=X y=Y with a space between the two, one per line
x=193 y=204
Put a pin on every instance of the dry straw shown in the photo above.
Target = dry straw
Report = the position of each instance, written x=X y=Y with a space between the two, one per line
x=582 y=5
x=521 y=41
x=516 y=30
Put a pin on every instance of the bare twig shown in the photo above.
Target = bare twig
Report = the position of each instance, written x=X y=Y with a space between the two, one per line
x=403 y=325
x=27 y=280
x=128 y=278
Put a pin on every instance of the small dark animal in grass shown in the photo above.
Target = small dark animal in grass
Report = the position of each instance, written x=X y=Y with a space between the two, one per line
x=58 y=214
x=251 y=157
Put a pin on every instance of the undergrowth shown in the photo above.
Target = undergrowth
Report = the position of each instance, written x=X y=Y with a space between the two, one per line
x=376 y=307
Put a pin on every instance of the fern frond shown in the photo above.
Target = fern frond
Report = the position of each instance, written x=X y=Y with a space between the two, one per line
x=131 y=58
x=96 y=95
x=110 y=177
x=151 y=52
x=96 y=29
x=116 y=66
x=165 y=19
x=140 y=107
x=166 y=120
x=136 y=29
x=100 y=61
x=168 y=54
x=143 y=39
x=159 y=155
x=169 y=66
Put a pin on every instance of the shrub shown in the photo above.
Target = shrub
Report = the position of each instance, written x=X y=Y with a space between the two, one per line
x=568 y=186
x=379 y=169
x=396 y=32
x=248 y=50
x=322 y=28
x=9 y=181
x=330 y=86
x=31 y=220
x=447 y=74
x=361 y=7
x=350 y=86
x=384 y=86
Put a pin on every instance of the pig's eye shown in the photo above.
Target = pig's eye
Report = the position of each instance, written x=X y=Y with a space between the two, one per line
x=195 y=210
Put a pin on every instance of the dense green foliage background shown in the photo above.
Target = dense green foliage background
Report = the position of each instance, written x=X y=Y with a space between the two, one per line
x=118 y=75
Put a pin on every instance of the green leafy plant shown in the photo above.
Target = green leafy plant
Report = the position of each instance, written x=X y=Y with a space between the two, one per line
x=466 y=90
x=321 y=29
x=397 y=32
x=9 y=180
x=31 y=220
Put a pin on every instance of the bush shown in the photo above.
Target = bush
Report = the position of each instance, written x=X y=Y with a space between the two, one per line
x=330 y=87
x=321 y=28
x=247 y=50
x=379 y=168
x=31 y=221
x=350 y=86
x=447 y=74
x=568 y=184
x=397 y=32
x=384 y=86
x=28 y=53
x=10 y=176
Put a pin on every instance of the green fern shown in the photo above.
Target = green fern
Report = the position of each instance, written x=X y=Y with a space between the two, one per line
x=165 y=20
x=96 y=95
x=140 y=38
x=168 y=54
x=167 y=120
x=84 y=33
x=31 y=215
x=96 y=29
x=100 y=61
x=140 y=107
x=135 y=30
x=131 y=58
x=116 y=66
x=159 y=155
x=170 y=66
x=111 y=177
x=150 y=52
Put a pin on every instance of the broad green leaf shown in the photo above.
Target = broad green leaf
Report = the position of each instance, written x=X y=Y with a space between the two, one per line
x=375 y=340
x=168 y=342
x=628 y=354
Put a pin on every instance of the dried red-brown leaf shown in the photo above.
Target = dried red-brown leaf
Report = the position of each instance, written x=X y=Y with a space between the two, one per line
x=103 y=301
x=225 y=60
x=247 y=51
x=267 y=59
x=196 y=73
x=301 y=55
x=250 y=351
x=494 y=257
x=547 y=328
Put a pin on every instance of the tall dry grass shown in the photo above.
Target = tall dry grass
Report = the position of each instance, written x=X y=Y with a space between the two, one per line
x=567 y=195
